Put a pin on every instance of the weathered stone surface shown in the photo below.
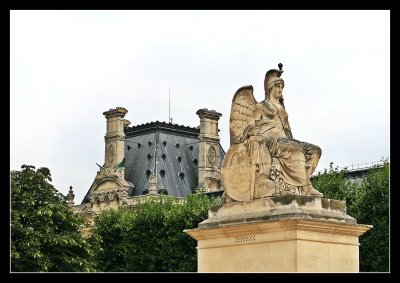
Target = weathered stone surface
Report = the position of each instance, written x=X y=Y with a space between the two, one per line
x=209 y=151
x=277 y=208
x=285 y=245
x=272 y=219
x=292 y=233
x=109 y=188
x=264 y=159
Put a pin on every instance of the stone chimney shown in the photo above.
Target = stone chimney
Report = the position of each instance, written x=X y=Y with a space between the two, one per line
x=209 y=151
x=70 y=197
x=109 y=187
x=115 y=136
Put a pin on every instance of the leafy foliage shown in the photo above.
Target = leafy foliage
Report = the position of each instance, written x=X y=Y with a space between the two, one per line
x=108 y=228
x=373 y=208
x=367 y=200
x=150 y=238
x=335 y=184
x=45 y=232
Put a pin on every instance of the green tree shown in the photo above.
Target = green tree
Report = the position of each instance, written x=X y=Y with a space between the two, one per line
x=373 y=208
x=150 y=238
x=108 y=227
x=367 y=200
x=45 y=233
x=335 y=184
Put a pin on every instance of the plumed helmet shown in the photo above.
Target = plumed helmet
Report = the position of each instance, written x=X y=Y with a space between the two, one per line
x=273 y=76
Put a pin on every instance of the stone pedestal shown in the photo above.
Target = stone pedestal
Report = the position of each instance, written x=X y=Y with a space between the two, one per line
x=281 y=234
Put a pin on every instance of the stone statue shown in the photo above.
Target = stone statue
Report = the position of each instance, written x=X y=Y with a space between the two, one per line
x=264 y=159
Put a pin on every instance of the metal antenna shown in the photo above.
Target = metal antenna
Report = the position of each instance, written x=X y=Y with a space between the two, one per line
x=169 y=105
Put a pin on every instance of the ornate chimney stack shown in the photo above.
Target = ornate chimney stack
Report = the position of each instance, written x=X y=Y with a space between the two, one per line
x=209 y=157
x=109 y=187
x=115 y=136
x=70 y=197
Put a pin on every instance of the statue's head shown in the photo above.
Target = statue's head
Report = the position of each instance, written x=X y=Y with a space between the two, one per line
x=271 y=77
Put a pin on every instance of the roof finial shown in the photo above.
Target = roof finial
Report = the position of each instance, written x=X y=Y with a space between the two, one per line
x=152 y=185
x=280 y=65
x=70 y=197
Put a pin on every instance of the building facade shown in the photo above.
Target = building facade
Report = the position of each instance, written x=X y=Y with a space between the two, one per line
x=152 y=159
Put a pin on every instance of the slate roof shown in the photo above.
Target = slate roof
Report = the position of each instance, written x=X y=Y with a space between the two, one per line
x=168 y=150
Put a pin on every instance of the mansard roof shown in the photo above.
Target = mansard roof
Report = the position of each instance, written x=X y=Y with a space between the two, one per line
x=167 y=150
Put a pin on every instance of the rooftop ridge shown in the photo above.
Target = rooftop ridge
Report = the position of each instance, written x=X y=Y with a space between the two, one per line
x=162 y=126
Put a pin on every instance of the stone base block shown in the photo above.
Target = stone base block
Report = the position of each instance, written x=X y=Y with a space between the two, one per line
x=281 y=234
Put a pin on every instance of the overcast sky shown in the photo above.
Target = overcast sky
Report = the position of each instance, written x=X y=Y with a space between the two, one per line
x=68 y=67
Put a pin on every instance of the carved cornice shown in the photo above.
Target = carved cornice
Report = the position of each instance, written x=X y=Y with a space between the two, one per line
x=116 y=195
x=114 y=136
x=116 y=112
x=319 y=226
x=209 y=138
x=210 y=114
x=135 y=200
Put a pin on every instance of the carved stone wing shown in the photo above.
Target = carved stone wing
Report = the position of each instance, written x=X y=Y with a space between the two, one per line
x=237 y=172
x=243 y=105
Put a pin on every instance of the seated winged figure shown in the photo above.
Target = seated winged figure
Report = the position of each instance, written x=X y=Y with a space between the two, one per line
x=264 y=159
